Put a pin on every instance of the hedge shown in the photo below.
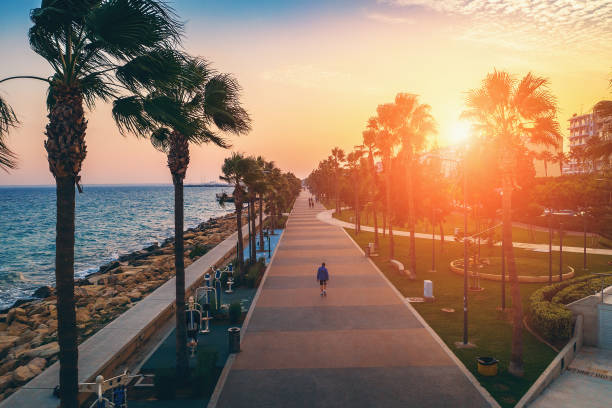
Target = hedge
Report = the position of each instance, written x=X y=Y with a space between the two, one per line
x=546 y=310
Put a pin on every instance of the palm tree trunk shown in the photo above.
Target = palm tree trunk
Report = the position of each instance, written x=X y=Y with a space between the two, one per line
x=240 y=243
x=182 y=363
x=389 y=216
x=375 y=224
x=411 y=217
x=64 y=281
x=516 y=360
x=253 y=231
x=178 y=161
x=261 y=231
x=66 y=150
x=441 y=236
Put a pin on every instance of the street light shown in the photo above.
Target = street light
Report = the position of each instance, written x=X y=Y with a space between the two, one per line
x=584 y=261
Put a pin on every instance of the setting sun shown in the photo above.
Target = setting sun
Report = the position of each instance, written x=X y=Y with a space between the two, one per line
x=460 y=133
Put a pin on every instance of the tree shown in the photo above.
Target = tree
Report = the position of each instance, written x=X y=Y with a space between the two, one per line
x=337 y=157
x=546 y=157
x=561 y=159
x=511 y=113
x=369 y=141
x=92 y=47
x=191 y=110
x=234 y=170
x=414 y=124
x=385 y=141
x=353 y=160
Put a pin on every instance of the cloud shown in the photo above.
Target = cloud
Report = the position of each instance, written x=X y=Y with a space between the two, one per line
x=388 y=19
x=562 y=23
x=308 y=76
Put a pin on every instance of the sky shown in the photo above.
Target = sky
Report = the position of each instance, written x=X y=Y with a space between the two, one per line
x=312 y=72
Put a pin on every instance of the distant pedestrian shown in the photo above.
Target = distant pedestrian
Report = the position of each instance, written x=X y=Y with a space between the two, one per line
x=323 y=277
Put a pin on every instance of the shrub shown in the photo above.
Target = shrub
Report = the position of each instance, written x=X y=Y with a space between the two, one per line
x=198 y=251
x=546 y=309
x=165 y=384
x=255 y=272
x=235 y=312
x=204 y=378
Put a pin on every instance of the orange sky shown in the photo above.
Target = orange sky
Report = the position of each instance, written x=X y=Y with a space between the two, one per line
x=313 y=76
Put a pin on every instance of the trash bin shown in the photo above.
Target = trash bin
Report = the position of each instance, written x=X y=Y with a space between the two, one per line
x=234 y=339
x=487 y=366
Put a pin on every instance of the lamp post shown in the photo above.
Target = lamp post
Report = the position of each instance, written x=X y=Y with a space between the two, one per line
x=560 y=250
x=433 y=240
x=584 y=261
x=548 y=215
x=465 y=253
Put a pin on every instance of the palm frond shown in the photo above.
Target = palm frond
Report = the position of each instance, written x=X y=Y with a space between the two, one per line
x=221 y=99
x=8 y=120
x=154 y=69
x=130 y=116
x=128 y=28
x=205 y=135
x=160 y=139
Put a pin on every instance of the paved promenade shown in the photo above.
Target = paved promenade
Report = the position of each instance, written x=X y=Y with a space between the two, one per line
x=361 y=346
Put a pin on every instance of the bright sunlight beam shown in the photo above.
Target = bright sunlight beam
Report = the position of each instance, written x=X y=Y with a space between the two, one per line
x=460 y=133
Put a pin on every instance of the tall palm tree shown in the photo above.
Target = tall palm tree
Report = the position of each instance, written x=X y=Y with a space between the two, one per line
x=93 y=47
x=253 y=179
x=369 y=141
x=386 y=141
x=353 y=160
x=234 y=169
x=546 y=157
x=337 y=157
x=512 y=113
x=415 y=124
x=560 y=158
x=194 y=109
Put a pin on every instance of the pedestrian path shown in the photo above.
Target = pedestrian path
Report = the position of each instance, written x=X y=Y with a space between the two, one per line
x=326 y=216
x=587 y=383
x=361 y=346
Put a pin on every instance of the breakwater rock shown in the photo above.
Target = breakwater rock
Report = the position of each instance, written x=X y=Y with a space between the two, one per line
x=28 y=330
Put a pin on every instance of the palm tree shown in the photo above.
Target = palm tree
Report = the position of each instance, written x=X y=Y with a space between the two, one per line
x=415 y=124
x=561 y=159
x=546 y=157
x=234 y=170
x=353 y=160
x=385 y=141
x=253 y=180
x=192 y=110
x=511 y=113
x=337 y=157
x=369 y=141
x=92 y=46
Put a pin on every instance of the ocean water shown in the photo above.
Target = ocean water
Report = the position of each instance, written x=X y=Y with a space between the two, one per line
x=110 y=221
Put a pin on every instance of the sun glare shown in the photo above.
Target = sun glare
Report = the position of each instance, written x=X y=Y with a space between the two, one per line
x=459 y=133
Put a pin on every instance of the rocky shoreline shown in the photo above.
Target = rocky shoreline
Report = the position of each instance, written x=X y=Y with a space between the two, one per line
x=28 y=329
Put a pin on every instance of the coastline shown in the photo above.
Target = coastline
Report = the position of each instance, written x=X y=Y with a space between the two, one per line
x=28 y=329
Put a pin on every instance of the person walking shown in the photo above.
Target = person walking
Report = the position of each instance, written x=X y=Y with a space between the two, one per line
x=323 y=277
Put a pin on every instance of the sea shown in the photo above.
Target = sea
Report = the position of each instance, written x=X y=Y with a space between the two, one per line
x=110 y=221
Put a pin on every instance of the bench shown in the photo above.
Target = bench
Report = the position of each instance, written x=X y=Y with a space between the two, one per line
x=400 y=268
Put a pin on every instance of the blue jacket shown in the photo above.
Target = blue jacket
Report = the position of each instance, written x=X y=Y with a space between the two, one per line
x=322 y=274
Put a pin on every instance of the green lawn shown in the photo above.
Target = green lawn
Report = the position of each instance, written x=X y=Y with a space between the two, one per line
x=455 y=220
x=489 y=329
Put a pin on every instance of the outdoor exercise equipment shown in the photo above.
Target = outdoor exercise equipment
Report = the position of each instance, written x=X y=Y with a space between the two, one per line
x=203 y=296
x=117 y=387
x=193 y=316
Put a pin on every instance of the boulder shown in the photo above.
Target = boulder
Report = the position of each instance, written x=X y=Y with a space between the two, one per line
x=134 y=295
x=3 y=327
x=43 y=292
x=23 y=374
x=44 y=351
x=5 y=381
x=7 y=342
x=13 y=313
x=82 y=316
x=37 y=363
x=16 y=329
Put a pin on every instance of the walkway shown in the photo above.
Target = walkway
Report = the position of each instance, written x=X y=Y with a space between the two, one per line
x=361 y=346
x=587 y=383
x=326 y=216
